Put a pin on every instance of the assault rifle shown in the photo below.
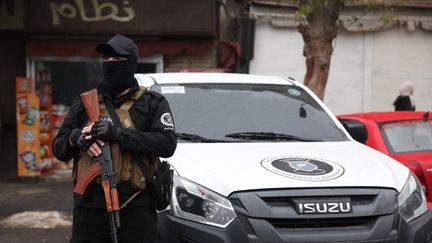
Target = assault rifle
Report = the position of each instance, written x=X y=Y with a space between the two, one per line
x=104 y=168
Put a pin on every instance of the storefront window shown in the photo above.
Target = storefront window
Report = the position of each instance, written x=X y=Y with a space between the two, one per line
x=69 y=79
x=58 y=83
x=66 y=78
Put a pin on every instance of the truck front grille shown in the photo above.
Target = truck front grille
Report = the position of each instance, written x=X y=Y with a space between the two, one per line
x=272 y=215
x=316 y=223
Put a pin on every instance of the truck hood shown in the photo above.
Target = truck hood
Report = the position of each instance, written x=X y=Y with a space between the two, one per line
x=230 y=167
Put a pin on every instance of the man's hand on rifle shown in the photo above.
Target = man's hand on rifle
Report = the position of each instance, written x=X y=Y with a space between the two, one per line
x=87 y=143
x=105 y=131
x=91 y=137
x=78 y=138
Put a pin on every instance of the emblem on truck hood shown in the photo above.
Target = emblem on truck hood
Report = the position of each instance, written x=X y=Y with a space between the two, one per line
x=303 y=168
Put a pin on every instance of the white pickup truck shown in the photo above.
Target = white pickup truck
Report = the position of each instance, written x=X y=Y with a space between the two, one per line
x=262 y=159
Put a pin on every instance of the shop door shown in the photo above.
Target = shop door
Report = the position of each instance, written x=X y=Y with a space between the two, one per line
x=58 y=83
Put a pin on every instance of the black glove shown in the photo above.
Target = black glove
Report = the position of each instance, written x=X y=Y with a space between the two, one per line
x=102 y=129
x=73 y=137
x=84 y=143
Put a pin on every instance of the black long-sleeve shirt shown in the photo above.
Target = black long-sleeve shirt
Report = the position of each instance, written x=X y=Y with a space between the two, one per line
x=153 y=136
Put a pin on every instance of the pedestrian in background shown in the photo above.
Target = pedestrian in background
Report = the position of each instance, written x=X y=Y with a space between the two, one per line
x=405 y=100
x=147 y=132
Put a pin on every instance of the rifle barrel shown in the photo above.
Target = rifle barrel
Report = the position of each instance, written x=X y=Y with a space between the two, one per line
x=113 y=228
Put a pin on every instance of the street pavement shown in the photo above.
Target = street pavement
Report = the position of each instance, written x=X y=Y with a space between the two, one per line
x=47 y=195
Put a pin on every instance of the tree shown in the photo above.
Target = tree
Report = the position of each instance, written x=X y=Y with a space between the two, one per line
x=319 y=29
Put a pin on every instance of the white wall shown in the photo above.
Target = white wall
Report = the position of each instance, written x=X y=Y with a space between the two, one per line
x=366 y=70
x=278 y=51
x=345 y=85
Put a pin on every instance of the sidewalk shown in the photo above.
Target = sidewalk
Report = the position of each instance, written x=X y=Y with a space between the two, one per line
x=50 y=194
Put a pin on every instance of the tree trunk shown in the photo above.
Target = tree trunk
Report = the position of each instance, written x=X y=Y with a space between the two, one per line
x=318 y=34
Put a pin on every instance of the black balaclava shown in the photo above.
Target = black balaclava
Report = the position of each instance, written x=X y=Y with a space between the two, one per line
x=118 y=75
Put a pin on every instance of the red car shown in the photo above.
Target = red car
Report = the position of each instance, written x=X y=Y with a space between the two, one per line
x=406 y=136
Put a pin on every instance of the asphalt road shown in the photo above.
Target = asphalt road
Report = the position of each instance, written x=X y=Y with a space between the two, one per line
x=58 y=235
x=30 y=195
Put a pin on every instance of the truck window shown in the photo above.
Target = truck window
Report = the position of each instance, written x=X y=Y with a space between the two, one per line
x=214 y=110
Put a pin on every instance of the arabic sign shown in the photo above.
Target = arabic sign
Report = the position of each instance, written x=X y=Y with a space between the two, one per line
x=11 y=14
x=303 y=168
x=102 y=11
x=129 y=16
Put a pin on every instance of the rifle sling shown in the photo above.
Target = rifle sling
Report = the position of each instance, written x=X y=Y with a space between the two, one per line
x=135 y=158
x=111 y=111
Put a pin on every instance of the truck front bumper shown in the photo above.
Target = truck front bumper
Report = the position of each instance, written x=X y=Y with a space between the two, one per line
x=173 y=229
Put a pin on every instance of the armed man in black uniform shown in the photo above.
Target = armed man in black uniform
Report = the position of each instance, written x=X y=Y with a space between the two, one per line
x=146 y=132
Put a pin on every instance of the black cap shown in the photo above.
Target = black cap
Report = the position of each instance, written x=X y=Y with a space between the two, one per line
x=120 y=44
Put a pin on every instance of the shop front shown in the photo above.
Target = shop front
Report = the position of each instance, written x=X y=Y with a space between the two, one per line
x=60 y=37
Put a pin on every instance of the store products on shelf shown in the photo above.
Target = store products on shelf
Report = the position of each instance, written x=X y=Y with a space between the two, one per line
x=59 y=113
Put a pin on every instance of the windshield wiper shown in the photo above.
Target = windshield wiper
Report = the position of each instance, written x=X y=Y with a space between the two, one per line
x=268 y=136
x=197 y=138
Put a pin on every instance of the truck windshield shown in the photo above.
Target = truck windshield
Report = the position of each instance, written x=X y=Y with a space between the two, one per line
x=247 y=112
x=408 y=136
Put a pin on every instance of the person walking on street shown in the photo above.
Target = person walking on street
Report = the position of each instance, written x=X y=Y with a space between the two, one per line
x=405 y=100
x=145 y=133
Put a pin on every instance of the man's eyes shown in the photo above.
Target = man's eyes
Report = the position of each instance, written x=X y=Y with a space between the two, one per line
x=113 y=59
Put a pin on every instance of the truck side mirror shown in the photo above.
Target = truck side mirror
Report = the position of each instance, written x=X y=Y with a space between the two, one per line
x=356 y=129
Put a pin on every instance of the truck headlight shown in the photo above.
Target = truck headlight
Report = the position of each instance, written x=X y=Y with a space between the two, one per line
x=412 y=200
x=197 y=203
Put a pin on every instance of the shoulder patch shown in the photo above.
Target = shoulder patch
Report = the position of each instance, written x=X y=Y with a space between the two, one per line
x=167 y=120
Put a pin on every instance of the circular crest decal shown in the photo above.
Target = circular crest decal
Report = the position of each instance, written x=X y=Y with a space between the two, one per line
x=303 y=168
x=167 y=120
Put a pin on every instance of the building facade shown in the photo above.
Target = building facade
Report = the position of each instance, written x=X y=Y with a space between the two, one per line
x=371 y=57
x=53 y=42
